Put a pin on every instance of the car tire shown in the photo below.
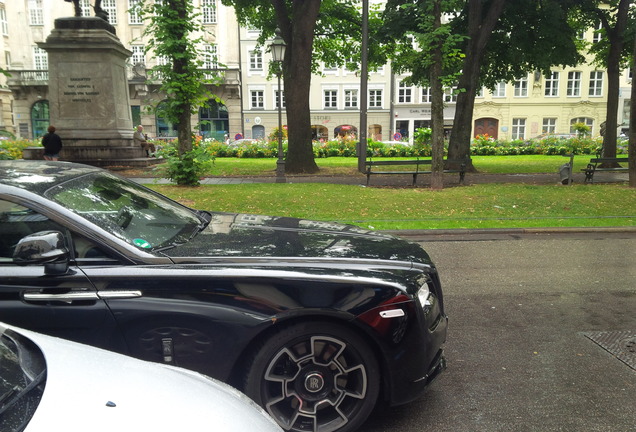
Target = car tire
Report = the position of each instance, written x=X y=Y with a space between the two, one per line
x=315 y=376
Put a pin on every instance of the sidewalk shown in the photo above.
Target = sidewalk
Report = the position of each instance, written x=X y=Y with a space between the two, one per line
x=450 y=180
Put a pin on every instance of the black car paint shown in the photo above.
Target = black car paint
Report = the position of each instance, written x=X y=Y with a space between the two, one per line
x=207 y=297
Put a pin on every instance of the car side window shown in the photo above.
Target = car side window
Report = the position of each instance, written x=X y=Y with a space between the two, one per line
x=17 y=221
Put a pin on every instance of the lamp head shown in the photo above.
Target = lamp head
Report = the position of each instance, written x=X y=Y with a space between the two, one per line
x=277 y=47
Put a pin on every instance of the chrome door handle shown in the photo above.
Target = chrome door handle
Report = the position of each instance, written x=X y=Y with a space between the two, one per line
x=110 y=295
x=68 y=297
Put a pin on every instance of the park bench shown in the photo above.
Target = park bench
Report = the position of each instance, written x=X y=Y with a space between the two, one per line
x=597 y=162
x=412 y=167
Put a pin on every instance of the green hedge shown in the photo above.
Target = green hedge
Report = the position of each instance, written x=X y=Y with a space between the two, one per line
x=481 y=146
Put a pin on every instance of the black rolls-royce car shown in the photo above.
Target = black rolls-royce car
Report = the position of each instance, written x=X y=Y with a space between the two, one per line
x=317 y=322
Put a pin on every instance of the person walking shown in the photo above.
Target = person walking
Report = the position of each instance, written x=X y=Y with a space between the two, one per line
x=52 y=144
x=142 y=139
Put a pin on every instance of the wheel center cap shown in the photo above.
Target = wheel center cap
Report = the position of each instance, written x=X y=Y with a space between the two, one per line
x=314 y=382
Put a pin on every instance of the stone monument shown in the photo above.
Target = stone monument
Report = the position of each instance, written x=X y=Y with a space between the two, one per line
x=89 y=99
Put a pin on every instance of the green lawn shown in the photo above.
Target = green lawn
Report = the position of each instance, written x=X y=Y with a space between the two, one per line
x=475 y=206
x=348 y=166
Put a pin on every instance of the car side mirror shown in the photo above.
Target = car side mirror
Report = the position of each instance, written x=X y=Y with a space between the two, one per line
x=43 y=248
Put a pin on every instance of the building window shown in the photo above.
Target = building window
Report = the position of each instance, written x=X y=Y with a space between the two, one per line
x=330 y=99
x=210 y=59
x=40 y=117
x=165 y=128
x=450 y=95
x=426 y=95
x=138 y=55
x=110 y=8
x=351 y=99
x=256 y=60
x=4 y=24
x=598 y=33
x=208 y=11
x=40 y=59
x=521 y=87
x=214 y=120
x=375 y=98
x=596 y=83
x=405 y=93
x=133 y=12
x=500 y=90
x=85 y=6
x=574 y=84
x=330 y=69
x=549 y=125
x=585 y=120
x=257 y=99
x=278 y=94
x=36 y=15
x=518 y=128
x=552 y=84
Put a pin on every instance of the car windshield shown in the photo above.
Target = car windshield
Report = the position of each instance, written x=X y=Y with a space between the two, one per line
x=22 y=380
x=129 y=211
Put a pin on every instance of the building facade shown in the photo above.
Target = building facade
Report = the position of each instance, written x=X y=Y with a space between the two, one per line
x=29 y=22
x=246 y=103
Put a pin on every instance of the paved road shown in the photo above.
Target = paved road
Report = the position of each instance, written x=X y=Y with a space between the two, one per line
x=521 y=309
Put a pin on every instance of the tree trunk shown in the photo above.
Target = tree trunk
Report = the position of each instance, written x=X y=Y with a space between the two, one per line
x=613 y=78
x=437 y=107
x=184 y=130
x=480 y=28
x=298 y=34
x=180 y=67
x=632 y=125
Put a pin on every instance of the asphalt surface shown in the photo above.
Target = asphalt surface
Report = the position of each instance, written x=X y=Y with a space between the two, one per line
x=523 y=308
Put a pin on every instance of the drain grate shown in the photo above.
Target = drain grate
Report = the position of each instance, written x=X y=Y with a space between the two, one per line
x=621 y=344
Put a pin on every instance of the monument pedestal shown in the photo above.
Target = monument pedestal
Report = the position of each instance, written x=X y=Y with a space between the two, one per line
x=89 y=101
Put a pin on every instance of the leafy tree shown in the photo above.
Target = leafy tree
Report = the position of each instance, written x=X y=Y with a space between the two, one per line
x=175 y=35
x=315 y=31
x=528 y=35
x=611 y=52
x=480 y=18
x=427 y=50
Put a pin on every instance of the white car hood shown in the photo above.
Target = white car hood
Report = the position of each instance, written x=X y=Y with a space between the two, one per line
x=83 y=381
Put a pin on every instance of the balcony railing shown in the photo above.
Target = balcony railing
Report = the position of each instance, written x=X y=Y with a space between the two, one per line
x=28 y=77
x=231 y=77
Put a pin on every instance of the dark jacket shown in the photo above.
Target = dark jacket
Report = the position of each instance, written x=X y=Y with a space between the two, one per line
x=52 y=143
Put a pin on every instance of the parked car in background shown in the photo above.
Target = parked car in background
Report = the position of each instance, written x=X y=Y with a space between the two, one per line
x=50 y=384
x=315 y=321
x=400 y=143
x=555 y=136
x=243 y=142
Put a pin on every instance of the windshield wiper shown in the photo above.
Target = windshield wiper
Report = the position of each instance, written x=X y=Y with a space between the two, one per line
x=8 y=394
x=26 y=390
x=204 y=220
x=204 y=217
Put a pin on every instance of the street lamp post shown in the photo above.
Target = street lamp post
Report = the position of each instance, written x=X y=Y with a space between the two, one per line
x=277 y=48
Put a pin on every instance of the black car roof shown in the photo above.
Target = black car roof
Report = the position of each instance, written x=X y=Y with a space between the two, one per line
x=37 y=176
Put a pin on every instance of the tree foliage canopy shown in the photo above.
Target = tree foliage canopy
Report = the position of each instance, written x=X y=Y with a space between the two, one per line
x=175 y=36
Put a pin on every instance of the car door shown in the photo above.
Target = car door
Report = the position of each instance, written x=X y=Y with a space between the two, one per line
x=65 y=304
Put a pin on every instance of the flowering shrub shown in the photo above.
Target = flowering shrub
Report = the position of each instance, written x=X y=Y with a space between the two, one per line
x=12 y=149
x=188 y=168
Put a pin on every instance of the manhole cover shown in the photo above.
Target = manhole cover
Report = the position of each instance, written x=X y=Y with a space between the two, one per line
x=621 y=344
